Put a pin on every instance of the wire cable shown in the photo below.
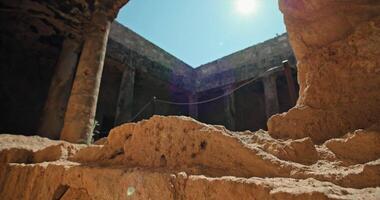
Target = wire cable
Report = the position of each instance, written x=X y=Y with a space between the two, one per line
x=155 y=99
x=218 y=97
x=141 y=110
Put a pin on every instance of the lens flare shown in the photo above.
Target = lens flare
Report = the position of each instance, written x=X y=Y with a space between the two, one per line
x=245 y=7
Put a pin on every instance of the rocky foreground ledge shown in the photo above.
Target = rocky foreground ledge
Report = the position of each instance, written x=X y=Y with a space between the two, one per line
x=180 y=158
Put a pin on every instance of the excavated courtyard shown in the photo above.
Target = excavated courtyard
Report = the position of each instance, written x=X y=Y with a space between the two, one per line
x=326 y=147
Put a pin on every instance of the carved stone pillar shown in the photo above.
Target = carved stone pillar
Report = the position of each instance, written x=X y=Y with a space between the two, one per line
x=229 y=109
x=125 y=99
x=51 y=121
x=270 y=93
x=193 y=108
x=290 y=81
x=80 y=113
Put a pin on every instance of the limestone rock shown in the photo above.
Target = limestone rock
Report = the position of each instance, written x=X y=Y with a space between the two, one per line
x=359 y=147
x=300 y=151
x=101 y=141
x=180 y=158
x=35 y=149
x=84 y=182
x=337 y=47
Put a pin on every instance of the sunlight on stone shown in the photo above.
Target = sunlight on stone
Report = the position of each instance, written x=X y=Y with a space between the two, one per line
x=131 y=190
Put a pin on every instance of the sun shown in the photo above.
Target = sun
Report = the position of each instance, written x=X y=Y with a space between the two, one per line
x=245 y=7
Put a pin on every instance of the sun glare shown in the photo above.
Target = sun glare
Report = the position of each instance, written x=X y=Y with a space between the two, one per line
x=245 y=7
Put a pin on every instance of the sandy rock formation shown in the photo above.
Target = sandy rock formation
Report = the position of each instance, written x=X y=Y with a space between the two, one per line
x=22 y=149
x=327 y=147
x=359 y=147
x=337 y=47
x=180 y=158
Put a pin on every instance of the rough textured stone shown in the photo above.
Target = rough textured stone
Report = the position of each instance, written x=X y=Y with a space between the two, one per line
x=59 y=91
x=300 y=151
x=79 y=120
x=359 y=147
x=337 y=47
x=35 y=149
x=336 y=43
x=180 y=158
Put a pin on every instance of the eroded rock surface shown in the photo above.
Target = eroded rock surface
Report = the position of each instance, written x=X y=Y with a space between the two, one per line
x=180 y=158
x=337 y=47
x=35 y=149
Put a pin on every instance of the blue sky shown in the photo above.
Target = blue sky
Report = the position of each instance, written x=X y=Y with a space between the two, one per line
x=200 y=31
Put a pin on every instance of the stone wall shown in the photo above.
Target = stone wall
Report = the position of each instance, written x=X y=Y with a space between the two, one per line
x=244 y=64
x=31 y=49
x=126 y=38
x=29 y=54
x=249 y=104
x=249 y=111
x=157 y=77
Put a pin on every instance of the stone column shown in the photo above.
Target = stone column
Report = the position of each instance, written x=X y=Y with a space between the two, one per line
x=51 y=121
x=229 y=108
x=270 y=93
x=80 y=113
x=193 y=108
x=290 y=81
x=125 y=99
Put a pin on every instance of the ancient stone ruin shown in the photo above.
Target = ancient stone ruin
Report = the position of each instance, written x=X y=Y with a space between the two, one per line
x=326 y=147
